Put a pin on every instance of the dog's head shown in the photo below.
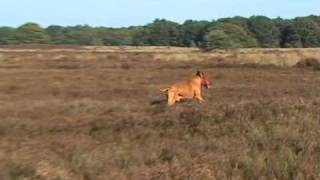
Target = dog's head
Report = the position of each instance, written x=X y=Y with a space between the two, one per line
x=204 y=79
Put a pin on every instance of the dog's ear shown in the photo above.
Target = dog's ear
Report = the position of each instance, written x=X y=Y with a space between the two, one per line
x=199 y=73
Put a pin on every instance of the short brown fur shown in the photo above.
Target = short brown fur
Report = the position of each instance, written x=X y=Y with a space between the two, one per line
x=188 y=89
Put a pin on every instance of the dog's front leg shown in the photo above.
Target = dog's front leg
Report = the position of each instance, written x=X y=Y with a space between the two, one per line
x=200 y=99
x=198 y=96
x=171 y=98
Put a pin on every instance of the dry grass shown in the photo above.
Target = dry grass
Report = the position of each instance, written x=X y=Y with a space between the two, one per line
x=102 y=117
x=277 y=57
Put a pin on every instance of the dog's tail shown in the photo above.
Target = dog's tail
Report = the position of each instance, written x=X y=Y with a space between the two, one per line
x=164 y=90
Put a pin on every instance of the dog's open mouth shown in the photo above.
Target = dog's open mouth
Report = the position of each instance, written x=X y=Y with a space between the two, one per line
x=207 y=86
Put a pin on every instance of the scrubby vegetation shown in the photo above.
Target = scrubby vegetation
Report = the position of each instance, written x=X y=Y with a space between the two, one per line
x=235 y=32
x=101 y=116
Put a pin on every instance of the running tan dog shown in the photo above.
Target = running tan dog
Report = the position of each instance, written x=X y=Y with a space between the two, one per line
x=188 y=89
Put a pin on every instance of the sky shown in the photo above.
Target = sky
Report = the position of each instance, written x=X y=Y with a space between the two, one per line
x=123 y=13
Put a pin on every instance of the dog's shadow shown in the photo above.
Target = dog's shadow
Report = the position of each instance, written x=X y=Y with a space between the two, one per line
x=163 y=101
x=160 y=100
x=159 y=105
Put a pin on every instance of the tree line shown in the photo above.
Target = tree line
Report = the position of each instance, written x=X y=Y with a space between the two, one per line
x=235 y=32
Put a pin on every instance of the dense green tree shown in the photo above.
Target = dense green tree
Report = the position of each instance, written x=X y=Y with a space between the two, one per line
x=315 y=19
x=240 y=36
x=265 y=30
x=309 y=31
x=234 y=35
x=162 y=33
x=217 y=39
x=233 y=32
x=140 y=37
x=84 y=35
x=290 y=38
x=118 y=36
x=237 y=20
x=58 y=34
x=32 y=33
x=192 y=32
x=7 y=35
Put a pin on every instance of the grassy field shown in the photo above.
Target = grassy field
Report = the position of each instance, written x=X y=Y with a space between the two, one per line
x=86 y=113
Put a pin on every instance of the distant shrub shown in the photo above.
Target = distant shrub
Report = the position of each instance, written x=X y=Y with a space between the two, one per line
x=309 y=62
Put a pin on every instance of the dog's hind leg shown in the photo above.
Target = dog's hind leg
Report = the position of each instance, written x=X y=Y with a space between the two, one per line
x=178 y=97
